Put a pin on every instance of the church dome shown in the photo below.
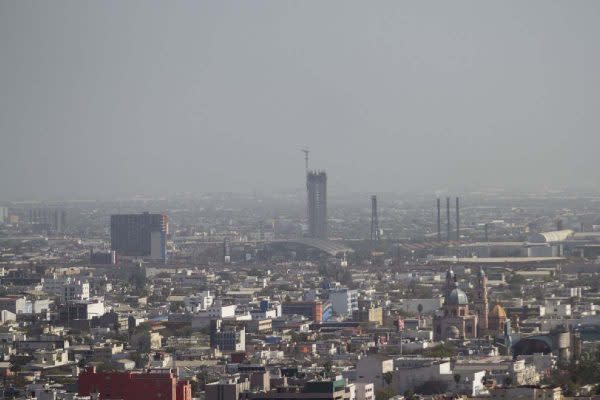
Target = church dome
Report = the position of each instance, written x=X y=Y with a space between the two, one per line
x=453 y=332
x=456 y=298
x=498 y=312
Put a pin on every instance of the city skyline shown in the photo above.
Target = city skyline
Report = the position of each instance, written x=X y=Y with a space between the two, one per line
x=275 y=200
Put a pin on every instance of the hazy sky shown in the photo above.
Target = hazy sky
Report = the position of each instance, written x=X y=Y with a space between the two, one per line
x=107 y=97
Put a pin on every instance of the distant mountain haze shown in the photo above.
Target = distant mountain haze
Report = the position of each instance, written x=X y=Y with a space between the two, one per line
x=123 y=97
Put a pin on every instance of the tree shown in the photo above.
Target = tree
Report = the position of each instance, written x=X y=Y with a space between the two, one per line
x=384 y=394
x=515 y=284
x=387 y=378
x=409 y=395
x=457 y=378
x=105 y=366
x=432 y=386
x=195 y=387
x=420 y=309
x=176 y=306
x=327 y=367
x=138 y=281
x=440 y=351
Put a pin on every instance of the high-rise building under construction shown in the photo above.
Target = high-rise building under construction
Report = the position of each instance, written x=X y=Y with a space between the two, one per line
x=316 y=186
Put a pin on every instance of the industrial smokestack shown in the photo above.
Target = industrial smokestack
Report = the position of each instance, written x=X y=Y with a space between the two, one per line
x=448 y=219
x=457 y=221
x=485 y=227
x=374 y=219
x=439 y=221
x=581 y=227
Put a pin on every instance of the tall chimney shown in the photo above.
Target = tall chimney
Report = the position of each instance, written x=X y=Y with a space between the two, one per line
x=374 y=219
x=486 y=231
x=448 y=218
x=457 y=221
x=582 y=227
x=439 y=221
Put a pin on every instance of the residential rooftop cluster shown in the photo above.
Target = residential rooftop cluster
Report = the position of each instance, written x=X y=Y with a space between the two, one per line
x=204 y=299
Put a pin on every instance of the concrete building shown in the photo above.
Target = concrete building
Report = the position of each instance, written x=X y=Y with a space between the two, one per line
x=7 y=316
x=44 y=359
x=67 y=288
x=219 y=311
x=47 y=219
x=343 y=301
x=227 y=337
x=81 y=309
x=368 y=311
x=147 y=340
x=527 y=393
x=372 y=369
x=336 y=389
x=227 y=389
x=410 y=373
x=14 y=304
x=76 y=290
x=316 y=185
x=365 y=391
x=199 y=302
x=499 y=369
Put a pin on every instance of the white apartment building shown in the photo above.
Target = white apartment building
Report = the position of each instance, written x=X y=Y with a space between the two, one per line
x=343 y=301
x=199 y=301
x=67 y=288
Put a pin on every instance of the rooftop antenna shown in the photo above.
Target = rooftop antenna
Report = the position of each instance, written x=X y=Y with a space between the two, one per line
x=305 y=151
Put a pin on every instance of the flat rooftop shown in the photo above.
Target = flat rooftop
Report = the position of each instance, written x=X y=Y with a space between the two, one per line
x=496 y=260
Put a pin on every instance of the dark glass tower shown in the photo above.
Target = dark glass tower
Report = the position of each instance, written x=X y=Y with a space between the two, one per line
x=139 y=235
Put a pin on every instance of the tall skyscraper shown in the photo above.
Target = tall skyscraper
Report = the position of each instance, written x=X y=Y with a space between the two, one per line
x=48 y=219
x=316 y=185
x=139 y=235
x=3 y=215
x=226 y=251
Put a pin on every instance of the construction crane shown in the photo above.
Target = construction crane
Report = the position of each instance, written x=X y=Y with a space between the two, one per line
x=305 y=151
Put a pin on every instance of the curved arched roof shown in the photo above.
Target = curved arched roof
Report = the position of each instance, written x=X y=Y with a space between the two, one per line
x=551 y=237
x=327 y=246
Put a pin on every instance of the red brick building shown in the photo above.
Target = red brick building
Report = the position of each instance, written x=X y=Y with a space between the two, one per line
x=312 y=310
x=159 y=384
